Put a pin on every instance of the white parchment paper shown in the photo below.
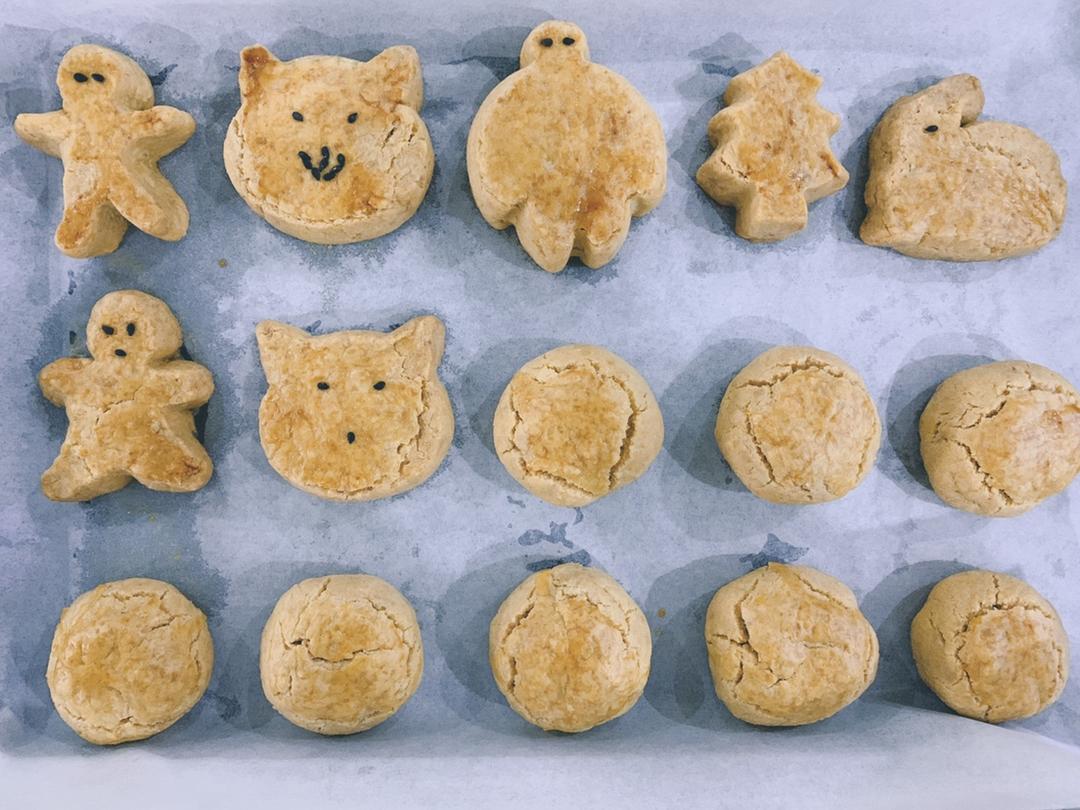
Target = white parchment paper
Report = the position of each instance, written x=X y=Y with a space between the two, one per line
x=686 y=301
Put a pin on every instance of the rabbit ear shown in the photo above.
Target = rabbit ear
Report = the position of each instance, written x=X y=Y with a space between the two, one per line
x=957 y=95
x=394 y=76
x=256 y=62
x=279 y=346
x=420 y=342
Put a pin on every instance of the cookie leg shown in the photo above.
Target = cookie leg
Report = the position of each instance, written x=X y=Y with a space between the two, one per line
x=549 y=242
x=70 y=479
x=150 y=203
x=90 y=227
x=603 y=234
x=171 y=459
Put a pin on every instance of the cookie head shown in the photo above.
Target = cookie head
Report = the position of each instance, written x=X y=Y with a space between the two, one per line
x=938 y=112
x=555 y=41
x=134 y=327
x=92 y=77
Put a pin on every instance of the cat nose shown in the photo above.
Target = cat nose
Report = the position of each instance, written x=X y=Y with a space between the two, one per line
x=350 y=437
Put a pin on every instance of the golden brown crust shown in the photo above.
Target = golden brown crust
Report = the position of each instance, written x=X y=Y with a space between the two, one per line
x=369 y=158
x=943 y=186
x=1000 y=438
x=577 y=423
x=772 y=154
x=570 y=649
x=797 y=425
x=130 y=409
x=788 y=646
x=110 y=137
x=128 y=660
x=990 y=646
x=566 y=151
x=354 y=415
x=341 y=653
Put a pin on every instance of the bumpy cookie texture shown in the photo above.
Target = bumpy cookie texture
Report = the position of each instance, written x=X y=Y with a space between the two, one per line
x=566 y=151
x=943 y=186
x=354 y=415
x=797 y=425
x=110 y=137
x=328 y=149
x=772 y=154
x=570 y=649
x=340 y=653
x=1000 y=438
x=788 y=646
x=577 y=423
x=990 y=646
x=128 y=660
x=131 y=408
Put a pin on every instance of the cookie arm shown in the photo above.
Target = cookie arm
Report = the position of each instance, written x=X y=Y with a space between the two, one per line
x=44 y=131
x=162 y=129
x=60 y=378
x=189 y=385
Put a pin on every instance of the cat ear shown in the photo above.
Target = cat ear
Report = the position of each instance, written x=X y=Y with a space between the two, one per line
x=420 y=342
x=280 y=346
x=960 y=95
x=256 y=62
x=394 y=76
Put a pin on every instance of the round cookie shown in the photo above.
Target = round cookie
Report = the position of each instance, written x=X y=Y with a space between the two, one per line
x=570 y=649
x=1000 y=438
x=797 y=425
x=577 y=423
x=788 y=646
x=990 y=646
x=340 y=653
x=128 y=659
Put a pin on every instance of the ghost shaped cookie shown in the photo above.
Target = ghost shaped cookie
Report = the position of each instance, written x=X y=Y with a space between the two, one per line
x=131 y=408
x=945 y=186
x=354 y=415
x=110 y=137
x=566 y=151
x=771 y=150
x=329 y=149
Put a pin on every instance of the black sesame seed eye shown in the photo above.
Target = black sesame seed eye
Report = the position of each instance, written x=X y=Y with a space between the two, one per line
x=297 y=116
x=379 y=386
x=121 y=353
x=351 y=437
x=352 y=118
x=80 y=77
x=567 y=40
x=108 y=330
x=547 y=42
x=130 y=329
x=931 y=128
x=97 y=77
x=323 y=386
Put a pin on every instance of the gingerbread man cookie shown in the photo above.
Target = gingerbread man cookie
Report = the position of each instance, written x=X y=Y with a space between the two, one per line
x=772 y=154
x=131 y=408
x=945 y=186
x=110 y=137
x=566 y=151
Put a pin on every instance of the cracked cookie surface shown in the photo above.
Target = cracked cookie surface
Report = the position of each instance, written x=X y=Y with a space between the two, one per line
x=340 y=653
x=1000 y=438
x=576 y=424
x=788 y=646
x=990 y=646
x=570 y=649
x=354 y=415
x=128 y=659
x=797 y=425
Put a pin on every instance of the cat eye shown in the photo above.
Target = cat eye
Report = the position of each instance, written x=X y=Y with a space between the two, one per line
x=97 y=77
x=130 y=329
x=568 y=41
x=80 y=77
x=108 y=330
x=547 y=42
x=352 y=118
x=931 y=128
x=379 y=386
x=323 y=386
x=297 y=116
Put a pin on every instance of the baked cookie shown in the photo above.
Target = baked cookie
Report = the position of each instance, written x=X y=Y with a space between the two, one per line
x=797 y=425
x=566 y=151
x=354 y=415
x=110 y=137
x=990 y=646
x=577 y=423
x=1000 y=438
x=328 y=149
x=570 y=649
x=943 y=186
x=128 y=660
x=131 y=409
x=772 y=155
x=341 y=653
x=788 y=646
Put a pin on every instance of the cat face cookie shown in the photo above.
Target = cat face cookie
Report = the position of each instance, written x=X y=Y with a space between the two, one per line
x=945 y=186
x=566 y=151
x=329 y=149
x=110 y=137
x=354 y=415
x=131 y=408
x=772 y=154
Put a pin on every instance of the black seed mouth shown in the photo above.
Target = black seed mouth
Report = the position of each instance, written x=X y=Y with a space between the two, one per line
x=322 y=170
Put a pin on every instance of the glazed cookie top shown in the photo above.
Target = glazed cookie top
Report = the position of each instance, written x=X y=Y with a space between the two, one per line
x=797 y=425
x=570 y=649
x=341 y=653
x=788 y=646
x=990 y=646
x=567 y=151
x=577 y=423
x=999 y=438
x=128 y=660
